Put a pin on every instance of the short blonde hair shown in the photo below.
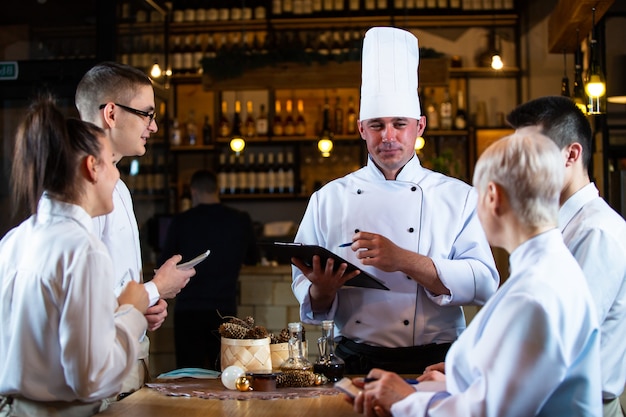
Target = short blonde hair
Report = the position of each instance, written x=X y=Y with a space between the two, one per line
x=530 y=168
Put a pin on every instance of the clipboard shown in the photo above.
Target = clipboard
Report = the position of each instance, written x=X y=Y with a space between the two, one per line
x=306 y=252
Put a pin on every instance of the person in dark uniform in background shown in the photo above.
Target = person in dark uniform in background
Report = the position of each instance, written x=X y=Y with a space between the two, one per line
x=212 y=293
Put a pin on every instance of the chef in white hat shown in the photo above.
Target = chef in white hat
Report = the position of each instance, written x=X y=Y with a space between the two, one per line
x=414 y=229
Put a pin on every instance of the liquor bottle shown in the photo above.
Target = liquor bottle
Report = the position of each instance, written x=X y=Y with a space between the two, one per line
x=317 y=7
x=207 y=131
x=259 y=11
x=232 y=175
x=261 y=122
x=222 y=174
x=252 y=175
x=300 y=121
x=328 y=6
x=250 y=124
x=351 y=118
x=289 y=174
x=432 y=116
x=242 y=175
x=307 y=7
x=177 y=55
x=175 y=136
x=326 y=132
x=298 y=7
x=381 y=4
x=277 y=124
x=237 y=124
x=281 y=183
x=338 y=117
x=287 y=7
x=338 y=5
x=445 y=111
x=277 y=8
x=289 y=128
x=271 y=173
x=212 y=13
x=187 y=55
x=224 y=126
x=296 y=360
x=261 y=174
x=198 y=54
x=353 y=5
x=460 y=119
x=328 y=364
x=191 y=129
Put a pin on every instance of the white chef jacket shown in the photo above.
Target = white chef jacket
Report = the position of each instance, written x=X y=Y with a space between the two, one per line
x=532 y=350
x=63 y=336
x=120 y=233
x=422 y=211
x=596 y=236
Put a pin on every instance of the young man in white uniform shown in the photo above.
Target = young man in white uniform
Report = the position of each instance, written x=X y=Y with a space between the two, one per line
x=592 y=230
x=120 y=99
x=414 y=229
x=534 y=348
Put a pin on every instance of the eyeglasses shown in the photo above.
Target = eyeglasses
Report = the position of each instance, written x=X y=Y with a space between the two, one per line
x=150 y=116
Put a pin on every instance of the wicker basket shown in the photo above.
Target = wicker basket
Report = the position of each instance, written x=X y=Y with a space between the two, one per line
x=249 y=354
x=280 y=353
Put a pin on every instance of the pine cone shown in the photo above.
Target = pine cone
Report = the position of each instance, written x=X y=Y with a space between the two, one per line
x=258 y=332
x=295 y=379
x=249 y=321
x=233 y=331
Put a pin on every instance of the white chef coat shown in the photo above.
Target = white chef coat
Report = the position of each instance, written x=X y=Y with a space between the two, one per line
x=422 y=211
x=532 y=350
x=120 y=233
x=596 y=236
x=63 y=336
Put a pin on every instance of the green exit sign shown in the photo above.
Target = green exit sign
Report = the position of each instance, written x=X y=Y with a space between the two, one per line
x=8 y=70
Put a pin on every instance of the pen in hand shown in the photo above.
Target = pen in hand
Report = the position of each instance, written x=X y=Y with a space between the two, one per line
x=345 y=245
x=411 y=381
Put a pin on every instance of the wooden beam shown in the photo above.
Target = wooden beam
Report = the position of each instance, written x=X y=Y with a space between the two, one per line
x=569 y=15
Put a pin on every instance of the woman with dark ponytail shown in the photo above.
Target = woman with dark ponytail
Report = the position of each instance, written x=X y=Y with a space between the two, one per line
x=66 y=341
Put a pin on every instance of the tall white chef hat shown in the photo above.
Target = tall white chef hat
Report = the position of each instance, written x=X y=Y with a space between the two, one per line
x=389 y=74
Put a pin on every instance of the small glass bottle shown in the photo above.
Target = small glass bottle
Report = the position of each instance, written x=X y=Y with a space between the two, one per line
x=328 y=364
x=296 y=360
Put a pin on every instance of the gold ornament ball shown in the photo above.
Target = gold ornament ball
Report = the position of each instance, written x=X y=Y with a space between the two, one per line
x=242 y=383
x=319 y=379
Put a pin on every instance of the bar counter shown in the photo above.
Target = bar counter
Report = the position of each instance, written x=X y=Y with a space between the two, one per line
x=148 y=402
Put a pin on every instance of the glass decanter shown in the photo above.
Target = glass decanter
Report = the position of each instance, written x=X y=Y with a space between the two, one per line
x=328 y=364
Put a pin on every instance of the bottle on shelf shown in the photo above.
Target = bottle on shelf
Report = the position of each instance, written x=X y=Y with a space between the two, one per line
x=261 y=122
x=177 y=55
x=326 y=129
x=207 y=131
x=289 y=174
x=252 y=175
x=296 y=361
x=237 y=124
x=224 y=126
x=445 y=111
x=300 y=120
x=232 y=175
x=222 y=174
x=271 y=174
x=289 y=128
x=351 y=117
x=328 y=364
x=460 y=119
x=175 y=135
x=188 y=53
x=191 y=129
x=338 y=117
x=242 y=175
x=432 y=115
x=261 y=174
x=281 y=183
x=250 y=123
x=277 y=124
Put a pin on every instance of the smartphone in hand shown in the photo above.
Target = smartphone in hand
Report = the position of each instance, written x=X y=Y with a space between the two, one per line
x=346 y=385
x=195 y=261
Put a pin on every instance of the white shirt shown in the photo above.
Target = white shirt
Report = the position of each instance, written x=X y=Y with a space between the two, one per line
x=63 y=336
x=532 y=350
x=596 y=236
x=119 y=232
x=421 y=211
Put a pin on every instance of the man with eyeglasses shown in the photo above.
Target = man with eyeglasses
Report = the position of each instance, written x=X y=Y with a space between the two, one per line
x=120 y=99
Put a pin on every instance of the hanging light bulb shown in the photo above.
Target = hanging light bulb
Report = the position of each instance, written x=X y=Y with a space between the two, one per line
x=325 y=145
x=419 y=143
x=595 y=84
x=565 y=80
x=237 y=143
x=496 y=62
x=155 y=71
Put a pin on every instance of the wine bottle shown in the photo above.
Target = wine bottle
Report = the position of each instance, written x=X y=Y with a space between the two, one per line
x=191 y=129
x=277 y=124
x=289 y=128
x=300 y=121
x=237 y=119
x=242 y=175
x=289 y=174
x=232 y=175
x=351 y=118
x=250 y=124
x=261 y=174
x=460 y=119
x=338 y=117
x=175 y=136
x=281 y=184
x=207 y=131
x=445 y=111
x=432 y=116
x=224 y=126
x=261 y=122
x=271 y=173
x=252 y=177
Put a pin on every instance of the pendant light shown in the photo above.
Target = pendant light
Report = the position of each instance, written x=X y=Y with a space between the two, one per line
x=595 y=84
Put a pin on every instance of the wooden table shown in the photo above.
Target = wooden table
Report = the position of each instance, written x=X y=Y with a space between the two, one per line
x=148 y=402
